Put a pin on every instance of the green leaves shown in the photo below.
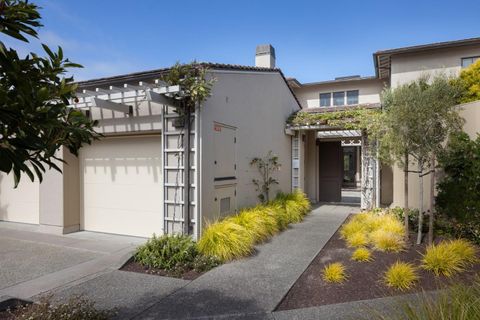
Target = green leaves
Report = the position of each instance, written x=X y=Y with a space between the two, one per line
x=35 y=119
x=193 y=80
x=19 y=18
x=266 y=167
x=418 y=118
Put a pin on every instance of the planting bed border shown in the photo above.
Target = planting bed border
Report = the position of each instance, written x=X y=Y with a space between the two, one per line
x=364 y=278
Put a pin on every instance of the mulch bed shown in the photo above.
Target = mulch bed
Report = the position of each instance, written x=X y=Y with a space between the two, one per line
x=365 y=278
x=133 y=266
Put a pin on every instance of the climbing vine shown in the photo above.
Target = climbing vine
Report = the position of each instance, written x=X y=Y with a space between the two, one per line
x=351 y=119
x=196 y=87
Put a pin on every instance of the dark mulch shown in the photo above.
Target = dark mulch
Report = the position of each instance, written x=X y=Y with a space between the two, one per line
x=133 y=266
x=365 y=278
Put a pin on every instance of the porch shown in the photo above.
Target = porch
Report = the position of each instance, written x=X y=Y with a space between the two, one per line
x=335 y=165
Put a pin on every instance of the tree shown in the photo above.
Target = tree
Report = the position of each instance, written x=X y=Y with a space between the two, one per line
x=35 y=117
x=469 y=83
x=266 y=167
x=419 y=117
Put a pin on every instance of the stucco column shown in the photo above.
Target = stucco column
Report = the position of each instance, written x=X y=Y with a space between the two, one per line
x=60 y=196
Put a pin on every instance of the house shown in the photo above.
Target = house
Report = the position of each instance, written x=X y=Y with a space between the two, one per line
x=132 y=180
x=324 y=150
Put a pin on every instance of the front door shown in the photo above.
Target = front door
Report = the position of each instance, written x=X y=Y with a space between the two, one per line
x=330 y=171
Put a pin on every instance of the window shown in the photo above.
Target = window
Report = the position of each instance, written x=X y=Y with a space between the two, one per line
x=468 y=61
x=339 y=98
x=325 y=99
x=352 y=97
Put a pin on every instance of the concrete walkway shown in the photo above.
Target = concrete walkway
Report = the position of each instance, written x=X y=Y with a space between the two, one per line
x=33 y=262
x=257 y=284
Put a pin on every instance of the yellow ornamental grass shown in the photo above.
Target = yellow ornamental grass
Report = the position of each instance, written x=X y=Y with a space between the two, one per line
x=352 y=227
x=362 y=255
x=257 y=222
x=279 y=214
x=334 y=273
x=358 y=239
x=387 y=241
x=401 y=276
x=449 y=257
x=226 y=240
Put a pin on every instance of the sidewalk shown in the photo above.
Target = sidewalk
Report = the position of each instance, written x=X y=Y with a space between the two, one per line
x=257 y=284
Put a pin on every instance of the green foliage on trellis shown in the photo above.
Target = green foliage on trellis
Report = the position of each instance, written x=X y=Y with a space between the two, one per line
x=350 y=119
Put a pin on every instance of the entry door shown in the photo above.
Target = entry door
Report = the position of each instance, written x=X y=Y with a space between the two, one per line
x=330 y=171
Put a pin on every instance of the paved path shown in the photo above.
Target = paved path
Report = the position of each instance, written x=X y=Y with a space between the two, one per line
x=256 y=284
x=32 y=262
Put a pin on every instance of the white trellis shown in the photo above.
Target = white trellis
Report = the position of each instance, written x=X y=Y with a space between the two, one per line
x=176 y=173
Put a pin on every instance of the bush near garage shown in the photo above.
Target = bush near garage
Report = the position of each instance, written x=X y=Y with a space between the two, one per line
x=235 y=236
x=173 y=253
x=76 y=308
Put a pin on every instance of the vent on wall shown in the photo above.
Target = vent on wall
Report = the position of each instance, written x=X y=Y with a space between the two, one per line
x=225 y=205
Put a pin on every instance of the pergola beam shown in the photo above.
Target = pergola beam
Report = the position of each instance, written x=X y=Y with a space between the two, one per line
x=160 y=99
x=114 y=106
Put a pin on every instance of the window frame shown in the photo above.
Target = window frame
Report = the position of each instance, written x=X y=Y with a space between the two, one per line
x=329 y=99
x=333 y=98
x=357 y=97
x=473 y=58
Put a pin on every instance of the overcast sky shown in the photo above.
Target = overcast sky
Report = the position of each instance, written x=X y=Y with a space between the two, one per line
x=314 y=40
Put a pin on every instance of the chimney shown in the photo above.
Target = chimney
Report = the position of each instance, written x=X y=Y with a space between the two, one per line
x=265 y=56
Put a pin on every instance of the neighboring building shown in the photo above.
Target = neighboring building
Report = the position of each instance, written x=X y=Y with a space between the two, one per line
x=131 y=181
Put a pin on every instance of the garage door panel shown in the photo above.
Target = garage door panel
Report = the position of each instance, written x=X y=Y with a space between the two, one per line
x=20 y=204
x=121 y=184
x=127 y=197
x=142 y=224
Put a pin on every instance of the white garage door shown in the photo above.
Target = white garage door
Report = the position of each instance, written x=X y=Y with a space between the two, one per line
x=121 y=189
x=20 y=204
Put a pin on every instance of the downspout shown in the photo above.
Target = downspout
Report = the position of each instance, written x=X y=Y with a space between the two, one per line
x=186 y=171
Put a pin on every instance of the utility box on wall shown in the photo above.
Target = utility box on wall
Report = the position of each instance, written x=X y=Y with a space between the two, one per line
x=225 y=175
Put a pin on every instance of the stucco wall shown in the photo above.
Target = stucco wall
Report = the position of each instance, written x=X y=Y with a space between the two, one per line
x=257 y=104
x=471 y=113
x=408 y=67
x=20 y=204
x=369 y=91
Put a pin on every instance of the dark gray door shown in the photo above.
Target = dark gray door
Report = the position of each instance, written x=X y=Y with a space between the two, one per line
x=330 y=171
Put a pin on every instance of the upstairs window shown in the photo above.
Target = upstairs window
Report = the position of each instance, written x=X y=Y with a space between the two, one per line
x=468 y=61
x=352 y=97
x=325 y=99
x=339 y=98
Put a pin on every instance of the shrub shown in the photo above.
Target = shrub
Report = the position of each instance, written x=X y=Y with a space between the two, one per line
x=226 y=240
x=469 y=83
x=362 y=255
x=204 y=263
x=334 y=272
x=387 y=241
x=352 y=227
x=358 y=239
x=76 y=308
x=167 y=252
x=459 y=190
x=459 y=302
x=401 y=276
x=257 y=222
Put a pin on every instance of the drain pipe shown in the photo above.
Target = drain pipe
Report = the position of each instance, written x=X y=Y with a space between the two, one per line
x=186 y=171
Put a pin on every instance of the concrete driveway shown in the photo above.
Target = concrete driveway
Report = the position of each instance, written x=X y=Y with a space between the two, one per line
x=32 y=262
